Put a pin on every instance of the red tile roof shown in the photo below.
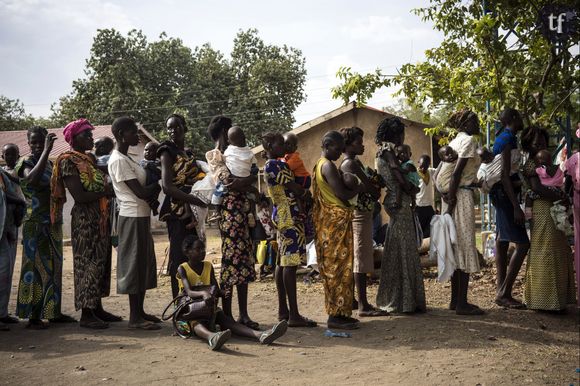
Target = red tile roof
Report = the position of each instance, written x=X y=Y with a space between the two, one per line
x=19 y=138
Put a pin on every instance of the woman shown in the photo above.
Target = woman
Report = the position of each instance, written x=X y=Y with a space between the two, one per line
x=333 y=237
x=362 y=222
x=549 y=271
x=179 y=171
x=289 y=221
x=508 y=213
x=90 y=231
x=237 y=250
x=573 y=170
x=401 y=286
x=40 y=286
x=459 y=203
x=136 y=262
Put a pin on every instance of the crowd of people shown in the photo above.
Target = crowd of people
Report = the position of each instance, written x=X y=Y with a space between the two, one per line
x=334 y=208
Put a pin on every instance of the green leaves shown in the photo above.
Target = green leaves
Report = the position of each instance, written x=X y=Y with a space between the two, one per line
x=362 y=87
x=260 y=87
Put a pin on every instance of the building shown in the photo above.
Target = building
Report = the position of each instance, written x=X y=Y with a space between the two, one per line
x=19 y=138
x=367 y=118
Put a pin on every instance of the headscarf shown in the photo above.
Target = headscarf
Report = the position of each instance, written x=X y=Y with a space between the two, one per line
x=76 y=127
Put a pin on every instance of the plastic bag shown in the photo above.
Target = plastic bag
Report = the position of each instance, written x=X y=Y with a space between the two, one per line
x=489 y=247
x=262 y=251
x=203 y=189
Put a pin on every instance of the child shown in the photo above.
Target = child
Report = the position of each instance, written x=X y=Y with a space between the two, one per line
x=403 y=153
x=197 y=272
x=151 y=165
x=264 y=217
x=301 y=177
x=11 y=155
x=489 y=172
x=448 y=158
x=295 y=163
x=103 y=148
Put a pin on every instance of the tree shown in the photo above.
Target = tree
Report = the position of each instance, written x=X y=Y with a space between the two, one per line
x=260 y=87
x=13 y=116
x=498 y=56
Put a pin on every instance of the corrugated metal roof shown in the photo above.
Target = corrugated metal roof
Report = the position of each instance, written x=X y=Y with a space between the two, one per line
x=19 y=138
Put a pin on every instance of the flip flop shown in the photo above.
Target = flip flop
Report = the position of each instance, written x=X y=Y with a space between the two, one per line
x=510 y=303
x=108 y=317
x=276 y=332
x=473 y=311
x=342 y=326
x=94 y=324
x=147 y=325
x=217 y=340
x=305 y=322
x=372 y=313
x=151 y=318
x=36 y=325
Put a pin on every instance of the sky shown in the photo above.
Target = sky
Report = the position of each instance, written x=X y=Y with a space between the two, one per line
x=44 y=43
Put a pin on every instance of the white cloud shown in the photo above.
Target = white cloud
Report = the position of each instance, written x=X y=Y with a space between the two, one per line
x=383 y=29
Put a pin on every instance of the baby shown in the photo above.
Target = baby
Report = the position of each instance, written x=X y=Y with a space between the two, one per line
x=103 y=148
x=410 y=170
x=294 y=161
x=151 y=165
x=489 y=172
x=448 y=158
x=551 y=177
x=239 y=159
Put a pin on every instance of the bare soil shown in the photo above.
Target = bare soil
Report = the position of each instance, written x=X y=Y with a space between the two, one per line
x=437 y=348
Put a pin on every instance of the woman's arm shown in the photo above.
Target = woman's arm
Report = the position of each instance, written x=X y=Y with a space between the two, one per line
x=241 y=183
x=33 y=176
x=75 y=187
x=351 y=166
x=187 y=287
x=395 y=168
x=143 y=192
x=508 y=187
x=332 y=176
x=451 y=197
x=169 y=187
x=544 y=192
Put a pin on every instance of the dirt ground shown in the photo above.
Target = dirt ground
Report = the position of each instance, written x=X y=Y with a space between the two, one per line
x=437 y=348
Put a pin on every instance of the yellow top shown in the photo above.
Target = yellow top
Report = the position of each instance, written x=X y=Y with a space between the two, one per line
x=193 y=278
x=325 y=190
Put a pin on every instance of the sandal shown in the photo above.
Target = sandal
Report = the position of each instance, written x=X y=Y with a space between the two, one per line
x=342 y=326
x=304 y=322
x=151 y=318
x=146 y=325
x=250 y=324
x=107 y=316
x=276 y=332
x=372 y=313
x=94 y=324
x=36 y=324
x=510 y=303
x=470 y=311
x=62 y=318
x=217 y=340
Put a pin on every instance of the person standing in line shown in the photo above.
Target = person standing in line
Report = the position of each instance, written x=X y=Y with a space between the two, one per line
x=77 y=171
x=362 y=222
x=510 y=219
x=136 y=262
x=401 y=287
x=40 y=285
x=332 y=218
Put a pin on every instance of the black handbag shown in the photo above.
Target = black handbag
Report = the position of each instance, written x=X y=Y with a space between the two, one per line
x=188 y=309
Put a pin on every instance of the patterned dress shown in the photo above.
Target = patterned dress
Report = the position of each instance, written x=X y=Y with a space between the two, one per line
x=573 y=170
x=287 y=216
x=549 y=271
x=401 y=286
x=90 y=231
x=237 y=247
x=334 y=245
x=40 y=285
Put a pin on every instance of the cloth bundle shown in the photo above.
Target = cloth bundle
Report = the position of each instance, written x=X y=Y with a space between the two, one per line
x=560 y=214
x=443 y=238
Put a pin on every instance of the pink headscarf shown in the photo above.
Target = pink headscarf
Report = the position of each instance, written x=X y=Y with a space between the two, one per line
x=76 y=127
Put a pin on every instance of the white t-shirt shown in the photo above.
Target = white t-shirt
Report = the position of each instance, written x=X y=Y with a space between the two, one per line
x=425 y=195
x=122 y=168
x=239 y=160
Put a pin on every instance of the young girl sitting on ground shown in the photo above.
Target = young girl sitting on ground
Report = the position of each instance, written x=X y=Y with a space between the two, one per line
x=197 y=272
